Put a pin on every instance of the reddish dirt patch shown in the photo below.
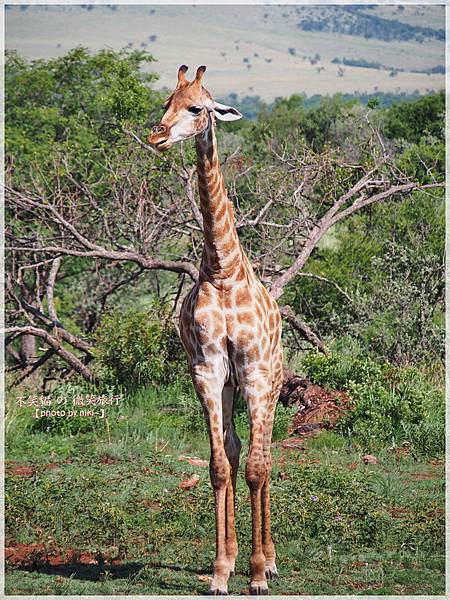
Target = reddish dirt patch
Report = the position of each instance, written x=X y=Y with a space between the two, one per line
x=107 y=460
x=13 y=468
x=359 y=563
x=298 y=443
x=152 y=504
x=361 y=585
x=21 y=470
x=424 y=476
x=87 y=558
x=194 y=461
x=187 y=484
x=36 y=554
x=52 y=466
x=24 y=554
x=317 y=408
x=398 y=511
x=369 y=459
x=149 y=471
x=435 y=513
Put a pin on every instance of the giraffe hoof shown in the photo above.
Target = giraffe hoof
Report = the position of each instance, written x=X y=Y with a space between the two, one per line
x=217 y=592
x=232 y=573
x=271 y=572
x=259 y=589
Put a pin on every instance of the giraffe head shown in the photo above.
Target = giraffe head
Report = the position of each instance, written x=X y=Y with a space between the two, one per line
x=187 y=112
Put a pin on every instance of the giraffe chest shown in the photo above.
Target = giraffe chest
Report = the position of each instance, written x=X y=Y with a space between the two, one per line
x=230 y=329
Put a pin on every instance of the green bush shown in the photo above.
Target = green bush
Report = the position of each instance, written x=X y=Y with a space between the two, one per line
x=339 y=369
x=390 y=404
x=137 y=348
x=414 y=119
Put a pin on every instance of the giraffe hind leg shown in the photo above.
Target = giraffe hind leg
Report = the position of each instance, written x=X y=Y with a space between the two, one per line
x=268 y=545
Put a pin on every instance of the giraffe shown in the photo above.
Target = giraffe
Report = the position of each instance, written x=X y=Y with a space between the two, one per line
x=230 y=327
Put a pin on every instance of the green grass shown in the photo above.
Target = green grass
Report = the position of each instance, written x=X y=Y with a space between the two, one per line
x=340 y=527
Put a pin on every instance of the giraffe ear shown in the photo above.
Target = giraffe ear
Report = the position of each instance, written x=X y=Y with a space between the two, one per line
x=226 y=113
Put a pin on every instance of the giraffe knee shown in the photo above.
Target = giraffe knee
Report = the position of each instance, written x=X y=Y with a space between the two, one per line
x=255 y=470
x=220 y=471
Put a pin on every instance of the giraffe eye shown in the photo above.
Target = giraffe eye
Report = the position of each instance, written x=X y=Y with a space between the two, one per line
x=195 y=110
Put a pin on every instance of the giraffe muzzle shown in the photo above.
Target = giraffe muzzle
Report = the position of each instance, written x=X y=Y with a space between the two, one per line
x=159 y=137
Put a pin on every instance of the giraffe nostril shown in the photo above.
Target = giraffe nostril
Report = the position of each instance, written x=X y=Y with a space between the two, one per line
x=159 y=129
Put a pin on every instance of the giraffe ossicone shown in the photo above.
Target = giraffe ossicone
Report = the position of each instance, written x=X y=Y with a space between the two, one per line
x=230 y=327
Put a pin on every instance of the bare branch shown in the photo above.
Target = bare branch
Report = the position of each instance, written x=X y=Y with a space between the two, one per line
x=363 y=200
x=54 y=343
x=30 y=369
x=257 y=219
x=187 y=179
x=68 y=337
x=50 y=288
x=305 y=331
x=144 y=261
x=333 y=216
x=325 y=280
x=94 y=250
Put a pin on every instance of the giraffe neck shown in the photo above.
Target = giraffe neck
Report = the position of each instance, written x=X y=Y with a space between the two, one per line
x=222 y=254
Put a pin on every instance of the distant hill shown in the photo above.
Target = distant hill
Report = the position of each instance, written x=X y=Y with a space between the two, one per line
x=363 y=21
x=254 y=50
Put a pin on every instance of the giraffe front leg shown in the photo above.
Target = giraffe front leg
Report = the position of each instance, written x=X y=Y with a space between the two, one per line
x=230 y=526
x=268 y=545
x=232 y=449
x=220 y=479
x=208 y=383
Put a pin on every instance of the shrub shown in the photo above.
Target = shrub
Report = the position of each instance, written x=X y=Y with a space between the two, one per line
x=138 y=348
x=340 y=369
x=390 y=404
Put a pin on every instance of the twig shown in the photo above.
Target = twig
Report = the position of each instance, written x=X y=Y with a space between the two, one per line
x=304 y=330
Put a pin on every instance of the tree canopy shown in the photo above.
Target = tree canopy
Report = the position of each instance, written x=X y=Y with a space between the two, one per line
x=339 y=206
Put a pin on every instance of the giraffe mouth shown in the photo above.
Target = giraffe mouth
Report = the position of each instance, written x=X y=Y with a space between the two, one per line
x=163 y=144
